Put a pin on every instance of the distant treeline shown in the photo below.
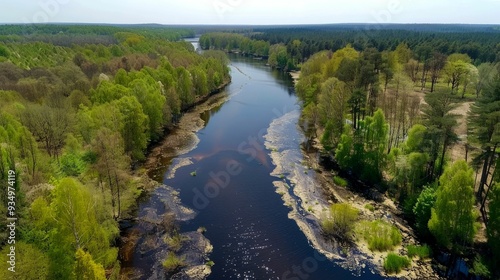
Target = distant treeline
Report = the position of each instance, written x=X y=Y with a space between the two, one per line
x=67 y=35
x=481 y=44
x=294 y=45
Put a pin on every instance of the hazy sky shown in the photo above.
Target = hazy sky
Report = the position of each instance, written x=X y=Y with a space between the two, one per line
x=250 y=11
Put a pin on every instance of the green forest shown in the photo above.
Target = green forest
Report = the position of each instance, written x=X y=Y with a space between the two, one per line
x=411 y=111
x=80 y=105
x=392 y=107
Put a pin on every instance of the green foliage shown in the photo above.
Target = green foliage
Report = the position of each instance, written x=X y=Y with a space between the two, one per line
x=278 y=56
x=185 y=87
x=453 y=218
x=341 y=221
x=416 y=139
x=493 y=228
x=422 y=209
x=339 y=181
x=344 y=148
x=365 y=151
x=4 y=52
x=232 y=41
x=64 y=116
x=77 y=224
x=107 y=92
x=72 y=164
x=379 y=235
x=175 y=241
x=408 y=205
x=394 y=263
x=49 y=125
x=480 y=268
x=370 y=207
x=333 y=108
x=422 y=252
x=148 y=93
x=111 y=165
x=31 y=263
x=135 y=126
x=172 y=263
x=86 y=268
x=440 y=123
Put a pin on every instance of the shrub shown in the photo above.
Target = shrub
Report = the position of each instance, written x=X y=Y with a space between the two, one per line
x=370 y=207
x=175 y=241
x=337 y=180
x=480 y=268
x=72 y=164
x=395 y=263
x=341 y=221
x=380 y=235
x=423 y=252
x=173 y=262
x=422 y=209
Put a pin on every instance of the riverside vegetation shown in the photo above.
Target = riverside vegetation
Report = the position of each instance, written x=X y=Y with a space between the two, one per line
x=79 y=107
x=81 y=104
x=412 y=111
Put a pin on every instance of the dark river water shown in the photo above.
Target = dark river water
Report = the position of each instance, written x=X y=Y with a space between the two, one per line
x=233 y=193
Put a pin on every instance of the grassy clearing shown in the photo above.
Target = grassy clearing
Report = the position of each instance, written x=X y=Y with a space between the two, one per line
x=422 y=252
x=337 y=180
x=394 y=263
x=380 y=235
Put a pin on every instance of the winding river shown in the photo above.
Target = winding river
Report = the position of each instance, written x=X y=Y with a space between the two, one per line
x=226 y=179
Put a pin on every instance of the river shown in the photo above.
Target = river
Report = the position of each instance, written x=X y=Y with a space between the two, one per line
x=232 y=191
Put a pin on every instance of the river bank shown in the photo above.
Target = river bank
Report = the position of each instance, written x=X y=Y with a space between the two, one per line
x=307 y=188
x=153 y=225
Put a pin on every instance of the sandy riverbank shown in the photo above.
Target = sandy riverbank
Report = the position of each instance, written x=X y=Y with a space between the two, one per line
x=295 y=76
x=181 y=140
x=308 y=190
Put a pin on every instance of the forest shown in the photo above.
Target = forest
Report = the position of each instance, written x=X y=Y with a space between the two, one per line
x=412 y=111
x=80 y=105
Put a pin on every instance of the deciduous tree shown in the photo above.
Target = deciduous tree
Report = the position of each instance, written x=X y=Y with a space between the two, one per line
x=453 y=218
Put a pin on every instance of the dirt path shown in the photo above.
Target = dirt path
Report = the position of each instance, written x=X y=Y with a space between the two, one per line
x=457 y=151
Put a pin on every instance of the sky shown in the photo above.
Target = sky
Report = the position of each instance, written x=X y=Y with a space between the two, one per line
x=252 y=12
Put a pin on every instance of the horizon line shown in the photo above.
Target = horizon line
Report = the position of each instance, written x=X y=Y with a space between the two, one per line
x=247 y=24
